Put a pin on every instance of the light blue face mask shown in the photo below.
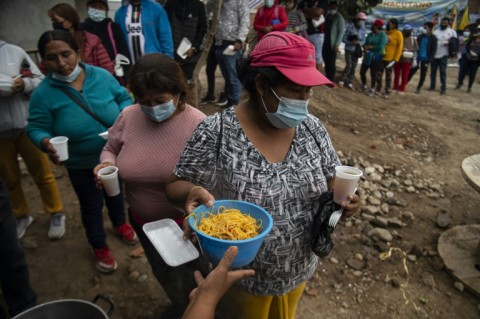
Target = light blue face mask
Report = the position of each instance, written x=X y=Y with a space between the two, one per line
x=332 y=12
x=96 y=15
x=269 y=3
x=160 y=112
x=290 y=112
x=68 y=78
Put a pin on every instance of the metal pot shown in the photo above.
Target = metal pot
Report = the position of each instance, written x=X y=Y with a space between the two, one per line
x=69 y=308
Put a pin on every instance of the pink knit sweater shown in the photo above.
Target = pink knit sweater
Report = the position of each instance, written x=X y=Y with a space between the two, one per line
x=146 y=154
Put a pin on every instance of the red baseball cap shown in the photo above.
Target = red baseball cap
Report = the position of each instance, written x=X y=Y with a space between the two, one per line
x=379 y=23
x=292 y=55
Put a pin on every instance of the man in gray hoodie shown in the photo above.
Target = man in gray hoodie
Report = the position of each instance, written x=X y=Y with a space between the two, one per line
x=19 y=76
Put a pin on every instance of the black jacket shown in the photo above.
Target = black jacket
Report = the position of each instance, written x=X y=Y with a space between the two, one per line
x=188 y=19
x=100 y=29
x=432 y=45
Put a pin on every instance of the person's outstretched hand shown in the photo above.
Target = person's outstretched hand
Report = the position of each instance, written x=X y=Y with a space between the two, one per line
x=211 y=289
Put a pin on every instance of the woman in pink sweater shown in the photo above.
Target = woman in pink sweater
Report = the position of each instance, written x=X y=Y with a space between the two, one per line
x=145 y=143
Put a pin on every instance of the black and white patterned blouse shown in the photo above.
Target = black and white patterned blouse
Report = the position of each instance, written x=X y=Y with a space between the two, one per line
x=288 y=190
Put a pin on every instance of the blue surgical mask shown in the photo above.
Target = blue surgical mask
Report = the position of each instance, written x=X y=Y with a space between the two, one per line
x=160 y=112
x=290 y=112
x=466 y=35
x=422 y=30
x=68 y=78
x=96 y=15
x=360 y=23
x=332 y=12
x=269 y=3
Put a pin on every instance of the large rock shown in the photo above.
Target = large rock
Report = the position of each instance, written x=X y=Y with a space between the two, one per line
x=381 y=234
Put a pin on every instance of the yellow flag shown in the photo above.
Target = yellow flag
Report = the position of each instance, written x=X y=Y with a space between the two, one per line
x=465 y=20
x=455 y=19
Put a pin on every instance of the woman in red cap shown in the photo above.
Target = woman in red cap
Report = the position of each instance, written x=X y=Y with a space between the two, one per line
x=374 y=50
x=269 y=151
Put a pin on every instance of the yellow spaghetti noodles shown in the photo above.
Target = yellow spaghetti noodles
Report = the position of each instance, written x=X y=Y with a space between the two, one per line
x=229 y=224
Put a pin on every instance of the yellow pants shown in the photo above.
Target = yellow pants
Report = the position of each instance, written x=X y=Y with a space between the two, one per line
x=39 y=168
x=240 y=304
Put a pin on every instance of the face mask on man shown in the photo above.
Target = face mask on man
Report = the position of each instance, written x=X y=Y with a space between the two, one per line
x=96 y=15
x=360 y=23
x=443 y=27
x=269 y=3
x=422 y=30
x=290 y=112
x=332 y=12
x=466 y=35
x=160 y=112
x=68 y=78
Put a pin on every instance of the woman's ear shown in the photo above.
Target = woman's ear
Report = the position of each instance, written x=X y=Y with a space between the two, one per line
x=259 y=86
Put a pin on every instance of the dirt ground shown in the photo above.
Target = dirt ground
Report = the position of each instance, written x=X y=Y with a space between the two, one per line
x=427 y=135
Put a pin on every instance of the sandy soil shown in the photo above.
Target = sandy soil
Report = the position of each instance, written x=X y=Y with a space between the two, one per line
x=427 y=135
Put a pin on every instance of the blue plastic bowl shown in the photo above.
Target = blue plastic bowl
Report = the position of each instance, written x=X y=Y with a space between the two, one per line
x=214 y=248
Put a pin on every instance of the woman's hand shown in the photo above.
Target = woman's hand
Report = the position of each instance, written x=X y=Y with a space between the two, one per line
x=99 y=167
x=51 y=152
x=196 y=197
x=351 y=206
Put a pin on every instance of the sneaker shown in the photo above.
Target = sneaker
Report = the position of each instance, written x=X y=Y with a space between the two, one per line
x=458 y=87
x=222 y=100
x=57 y=226
x=207 y=100
x=22 y=224
x=371 y=92
x=341 y=84
x=350 y=86
x=443 y=92
x=431 y=89
x=417 y=91
x=401 y=93
x=105 y=261
x=229 y=104
x=469 y=90
x=127 y=233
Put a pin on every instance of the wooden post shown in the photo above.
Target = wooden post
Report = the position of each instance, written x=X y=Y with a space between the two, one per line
x=196 y=89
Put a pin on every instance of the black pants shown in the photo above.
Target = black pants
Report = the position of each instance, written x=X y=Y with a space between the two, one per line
x=423 y=66
x=14 y=280
x=178 y=281
x=376 y=70
x=210 y=70
x=469 y=67
x=329 y=58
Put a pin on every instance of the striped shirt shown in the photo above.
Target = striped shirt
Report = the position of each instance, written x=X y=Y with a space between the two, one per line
x=288 y=190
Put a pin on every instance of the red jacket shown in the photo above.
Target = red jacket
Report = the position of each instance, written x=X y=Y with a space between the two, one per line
x=265 y=16
x=95 y=53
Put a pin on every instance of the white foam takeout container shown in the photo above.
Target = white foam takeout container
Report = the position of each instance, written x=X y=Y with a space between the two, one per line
x=167 y=237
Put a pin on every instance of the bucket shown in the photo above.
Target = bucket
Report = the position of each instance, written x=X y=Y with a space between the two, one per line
x=214 y=248
x=68 y=308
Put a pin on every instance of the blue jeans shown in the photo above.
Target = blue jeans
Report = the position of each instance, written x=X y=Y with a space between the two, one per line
x=228 y=66
x=91 y=206
x=441 y=64
x=317 y=40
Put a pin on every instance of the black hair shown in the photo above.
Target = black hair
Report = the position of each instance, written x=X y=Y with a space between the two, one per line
x=55 y=35
x=445 y=18
x=429 y=25
x=159 y=73
x=269 y=75
x=394 y=21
